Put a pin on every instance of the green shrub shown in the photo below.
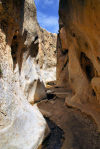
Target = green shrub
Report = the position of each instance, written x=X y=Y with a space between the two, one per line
x=0 y=71
x=47 y=83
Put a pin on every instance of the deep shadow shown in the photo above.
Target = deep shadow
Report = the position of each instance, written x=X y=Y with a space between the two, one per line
x=34 y=49
x=65 y=64
x=65 y=52
x=14 y=50
x=87 y=66
x=50 y=96
x=17 y=40
x=55 y=139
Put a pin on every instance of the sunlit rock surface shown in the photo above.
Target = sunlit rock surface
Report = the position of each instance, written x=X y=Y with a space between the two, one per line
x=21 y=125
x=47 y=56
x=25 y=49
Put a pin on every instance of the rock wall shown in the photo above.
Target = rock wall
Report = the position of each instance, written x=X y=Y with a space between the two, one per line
x=47 y=56
x=24 y=56
x=62 y=73
x=80 y=40
x=21 y=125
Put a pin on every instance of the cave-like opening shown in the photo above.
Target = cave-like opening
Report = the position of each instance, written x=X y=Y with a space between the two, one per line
x=87 y=66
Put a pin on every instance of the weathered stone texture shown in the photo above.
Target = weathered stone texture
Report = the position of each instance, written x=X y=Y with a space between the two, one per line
x=21 y=125
x=62 y=73
x=82 y=31
x=47 y=56
x=79 y=40
x=28 y=49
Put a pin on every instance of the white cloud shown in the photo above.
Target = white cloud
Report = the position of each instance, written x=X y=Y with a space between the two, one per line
x=48 y=22
x=45 y=2
x=49 y=2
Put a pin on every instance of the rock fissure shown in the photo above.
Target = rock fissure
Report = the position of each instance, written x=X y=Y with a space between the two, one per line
x=61 y=79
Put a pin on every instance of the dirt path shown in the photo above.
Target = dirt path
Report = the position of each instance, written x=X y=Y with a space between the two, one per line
x=80 y=131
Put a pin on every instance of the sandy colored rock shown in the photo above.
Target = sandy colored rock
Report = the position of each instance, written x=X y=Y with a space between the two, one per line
x=21 y=125
x=47 y=56
x=82 y=33
x=62 y=74
x=78 y=69
x=79 y=25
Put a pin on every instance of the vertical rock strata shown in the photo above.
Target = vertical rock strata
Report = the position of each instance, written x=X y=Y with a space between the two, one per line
x=21 y=125
x=79 y=44
x=47 y=56
x=25 y=66
x=62 y=74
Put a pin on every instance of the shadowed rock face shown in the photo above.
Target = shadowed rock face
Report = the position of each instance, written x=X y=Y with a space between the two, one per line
x=25 y=38
x=79 y=45
x=81 y=23
x=25 y=49
x=21 y=125
x=62 y=74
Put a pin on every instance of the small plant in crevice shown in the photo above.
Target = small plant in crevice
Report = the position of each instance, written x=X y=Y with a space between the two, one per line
x=0 y=71
x=47 y=83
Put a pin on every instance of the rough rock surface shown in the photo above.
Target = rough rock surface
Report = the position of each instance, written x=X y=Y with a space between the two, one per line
x=62 y=74
x=79 y=56
x=27 y=46
x=21 y=125
x=81 y=25
x=47 y=56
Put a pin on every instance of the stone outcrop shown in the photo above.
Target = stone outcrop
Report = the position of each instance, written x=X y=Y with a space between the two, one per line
x=79 y=42
x=47 y=56
x=21 y=125
x=62 y=74
x=39 y=61
x=24 y=59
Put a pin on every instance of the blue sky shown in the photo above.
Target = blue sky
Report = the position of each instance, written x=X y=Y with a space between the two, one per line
x=47 y=14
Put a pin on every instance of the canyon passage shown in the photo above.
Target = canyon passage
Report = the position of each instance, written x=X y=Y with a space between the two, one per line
x=50 y=83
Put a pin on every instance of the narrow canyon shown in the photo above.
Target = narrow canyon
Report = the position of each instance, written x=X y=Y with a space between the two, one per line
x=50 y=83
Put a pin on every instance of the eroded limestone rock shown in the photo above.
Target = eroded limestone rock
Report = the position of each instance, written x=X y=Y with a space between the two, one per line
x=21 y=125
x=81 y=22
x=62 y=73
x=27 y=46
x=47 y=56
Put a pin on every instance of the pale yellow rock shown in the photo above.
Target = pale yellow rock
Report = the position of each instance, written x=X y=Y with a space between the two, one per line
x=80 y=26
x=82 y=39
